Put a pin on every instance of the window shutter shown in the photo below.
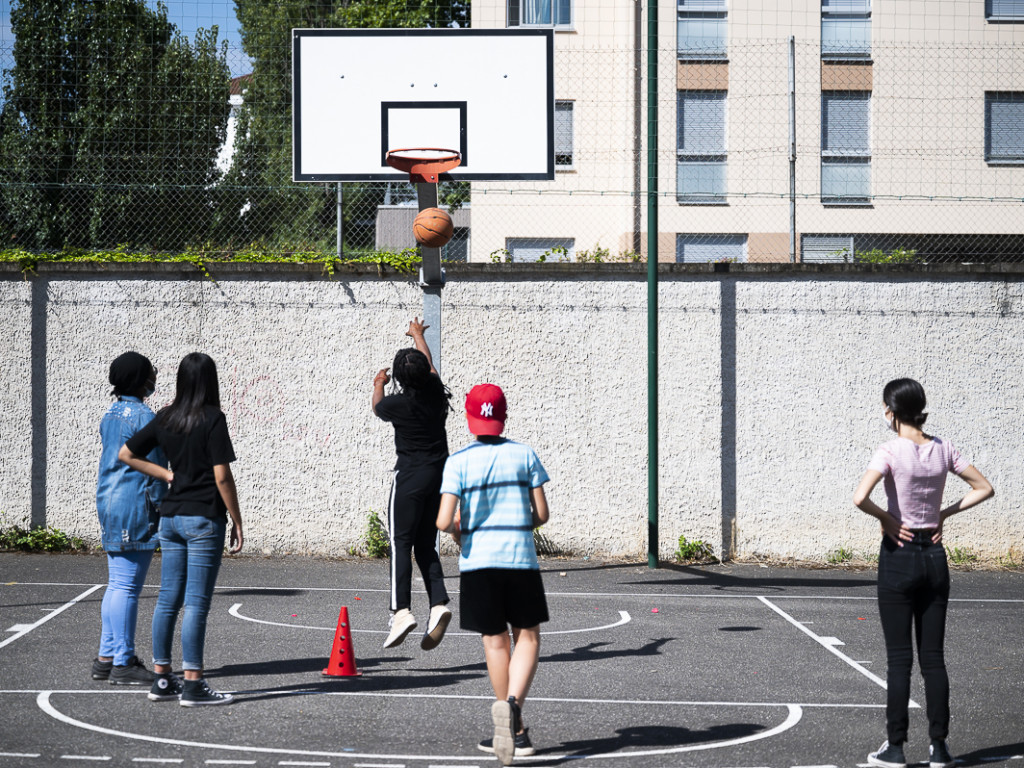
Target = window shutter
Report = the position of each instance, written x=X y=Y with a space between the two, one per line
x=847 y=6
x=845 y=121
x=563 y=133
x=700 y=249
x=826 y=248
x=1005 y=119
x=701 y=123
x=1006 y=8
x=687 y=6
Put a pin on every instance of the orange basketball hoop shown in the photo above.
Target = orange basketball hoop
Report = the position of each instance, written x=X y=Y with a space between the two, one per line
x=424 y=165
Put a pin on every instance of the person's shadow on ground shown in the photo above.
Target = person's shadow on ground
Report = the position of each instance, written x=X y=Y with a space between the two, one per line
x=991 y=754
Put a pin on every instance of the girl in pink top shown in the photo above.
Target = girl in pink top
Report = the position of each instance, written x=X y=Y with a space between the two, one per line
x=913 y=575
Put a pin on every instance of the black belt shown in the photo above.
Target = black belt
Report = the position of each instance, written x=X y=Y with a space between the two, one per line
x=923 y=536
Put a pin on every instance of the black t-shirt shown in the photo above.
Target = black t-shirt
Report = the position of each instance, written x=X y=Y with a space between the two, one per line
x=193 y=456
x=419 y=426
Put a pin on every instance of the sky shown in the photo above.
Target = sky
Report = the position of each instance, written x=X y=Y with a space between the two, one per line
x=186 y=15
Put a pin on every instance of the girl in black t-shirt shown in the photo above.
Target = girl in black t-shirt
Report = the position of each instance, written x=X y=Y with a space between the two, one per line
x=418 y=415
x=193 y=434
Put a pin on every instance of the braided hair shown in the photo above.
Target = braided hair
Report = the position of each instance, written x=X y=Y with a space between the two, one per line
x=411 y=370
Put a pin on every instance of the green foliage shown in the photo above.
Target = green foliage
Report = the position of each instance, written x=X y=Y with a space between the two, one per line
x=39 y=539
x=694 y=551
x=261 y=203
x=376 y=539
x=544 y=545
x=111 y=126
x=501 y=255
x=840 y=556
x=895 y=256
x=403 y=261
x=961 y=556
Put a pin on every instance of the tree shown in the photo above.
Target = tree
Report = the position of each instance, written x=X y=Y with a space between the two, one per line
x=265 y=204
x=111 y=127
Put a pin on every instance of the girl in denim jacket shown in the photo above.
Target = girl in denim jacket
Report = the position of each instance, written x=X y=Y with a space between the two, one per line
x=127 y=502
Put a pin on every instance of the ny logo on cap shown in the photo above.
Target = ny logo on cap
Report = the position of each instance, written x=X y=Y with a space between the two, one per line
x=487 y=410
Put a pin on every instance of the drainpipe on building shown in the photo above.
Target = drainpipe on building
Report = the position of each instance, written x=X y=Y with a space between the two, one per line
x=792 y=148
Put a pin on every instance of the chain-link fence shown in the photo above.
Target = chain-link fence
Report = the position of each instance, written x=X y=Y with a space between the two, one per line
x=833 y=130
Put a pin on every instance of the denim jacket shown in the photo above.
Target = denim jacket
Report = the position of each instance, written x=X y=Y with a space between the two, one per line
x=127 y=501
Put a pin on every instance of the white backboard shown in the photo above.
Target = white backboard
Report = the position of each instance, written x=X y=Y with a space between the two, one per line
x=358 y=93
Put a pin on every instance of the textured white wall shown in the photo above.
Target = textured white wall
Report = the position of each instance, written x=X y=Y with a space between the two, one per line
x=770 y=391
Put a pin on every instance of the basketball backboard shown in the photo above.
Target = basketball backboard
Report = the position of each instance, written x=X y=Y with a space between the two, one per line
x=487 y=93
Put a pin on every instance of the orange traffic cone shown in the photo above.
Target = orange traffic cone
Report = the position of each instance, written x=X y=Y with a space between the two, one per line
x=343 y=657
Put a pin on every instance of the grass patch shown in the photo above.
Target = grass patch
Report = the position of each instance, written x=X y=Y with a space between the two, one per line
x=695 y=551
x=40 y=538
x=961 y=556
x=839 y=556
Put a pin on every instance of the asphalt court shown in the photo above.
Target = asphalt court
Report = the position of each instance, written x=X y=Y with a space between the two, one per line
x=735 y=666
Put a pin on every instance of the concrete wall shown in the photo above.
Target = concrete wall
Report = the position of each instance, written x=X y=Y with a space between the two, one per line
x=770 y=390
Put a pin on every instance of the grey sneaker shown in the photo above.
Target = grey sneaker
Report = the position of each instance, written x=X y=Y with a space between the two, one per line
x=504 y=742
x=440 y=616
x=166 y=688
x=132 y=673
x=938 y=755
x=401 y=623
x=101 y=669
x=524 y=747
x=197 y=693
x=888 y=756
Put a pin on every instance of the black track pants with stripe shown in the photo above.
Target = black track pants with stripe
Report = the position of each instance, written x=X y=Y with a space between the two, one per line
x=412 y=521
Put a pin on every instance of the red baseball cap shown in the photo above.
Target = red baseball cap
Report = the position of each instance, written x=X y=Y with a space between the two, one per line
x=485 y=409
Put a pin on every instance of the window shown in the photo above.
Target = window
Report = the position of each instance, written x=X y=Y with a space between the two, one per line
x=1004 y=10
x=846 y=29
x=701 y=249
x=541 y=249
x=826 y=248
x=701 y=29
x=1004 y=127
x=845 y=147
x=540 y=13
x=563 y=135
x=701 y=156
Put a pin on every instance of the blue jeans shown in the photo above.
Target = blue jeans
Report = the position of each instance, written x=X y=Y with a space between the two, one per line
x=192 y=548
x=120 y=607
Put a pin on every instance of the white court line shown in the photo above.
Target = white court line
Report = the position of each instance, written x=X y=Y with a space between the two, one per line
x=372 y=765
x=23 y=630
x=300 y=762
x=823 y=642
x=158 y=760
x=230 y=762
x=95 y=758
x=794 y=713
x=19 y=754
x=624 y=618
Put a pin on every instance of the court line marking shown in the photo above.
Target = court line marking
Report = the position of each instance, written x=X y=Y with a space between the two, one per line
x=24 y=629
x=825 y=643
x=624 y=618
x=794 y=714
x=19 y=754
x=653 y=595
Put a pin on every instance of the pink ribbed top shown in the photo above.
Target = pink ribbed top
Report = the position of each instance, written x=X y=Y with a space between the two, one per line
x=915 y=477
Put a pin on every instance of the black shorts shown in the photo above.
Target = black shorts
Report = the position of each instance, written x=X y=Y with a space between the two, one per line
x=492 y=598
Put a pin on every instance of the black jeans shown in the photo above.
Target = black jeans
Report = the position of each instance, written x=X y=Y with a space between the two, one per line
x=913 y=593
x=412 y=518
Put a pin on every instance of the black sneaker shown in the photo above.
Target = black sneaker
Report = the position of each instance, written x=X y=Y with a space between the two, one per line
x=504 y=742
x=198 y=693
x=101 y=669
x=524 y=747
x=888 y=756
x=132 y=673
x=166 y=688
x=938 y=755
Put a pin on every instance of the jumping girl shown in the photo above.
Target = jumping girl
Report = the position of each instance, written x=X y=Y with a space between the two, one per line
x=913 y=576
x=418 y=414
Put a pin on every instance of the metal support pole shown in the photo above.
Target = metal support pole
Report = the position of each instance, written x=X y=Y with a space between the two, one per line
x=431 y=280
x=792 y=148
x=652 y=284
x=340 y=224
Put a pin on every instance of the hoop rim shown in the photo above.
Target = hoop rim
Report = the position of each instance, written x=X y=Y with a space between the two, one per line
x=421 y=165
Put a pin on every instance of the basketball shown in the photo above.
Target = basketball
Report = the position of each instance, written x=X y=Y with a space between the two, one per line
x=432 y=228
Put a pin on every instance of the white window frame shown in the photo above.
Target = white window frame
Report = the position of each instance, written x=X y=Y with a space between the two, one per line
x=720 y=158
x=697 y=10
x=569 y=106
x=835 y=158
x=839 y=10
x=1014 y=97
x=514 y=15
x=732 y=238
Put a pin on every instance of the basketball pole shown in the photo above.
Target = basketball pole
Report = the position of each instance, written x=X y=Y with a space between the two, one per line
x=431 y=280
x=652 y=284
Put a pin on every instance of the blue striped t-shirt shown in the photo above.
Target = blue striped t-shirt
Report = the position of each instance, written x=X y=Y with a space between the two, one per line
x=492 y=481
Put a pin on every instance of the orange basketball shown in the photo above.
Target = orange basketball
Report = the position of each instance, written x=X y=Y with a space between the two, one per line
x=432 y=228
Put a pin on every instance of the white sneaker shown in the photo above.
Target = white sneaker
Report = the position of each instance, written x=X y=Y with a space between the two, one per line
x=402 y=623
x=440 y=616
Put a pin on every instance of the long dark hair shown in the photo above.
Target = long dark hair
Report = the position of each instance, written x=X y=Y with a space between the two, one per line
x=411 y=370
x=196 y=388
x=906 y=400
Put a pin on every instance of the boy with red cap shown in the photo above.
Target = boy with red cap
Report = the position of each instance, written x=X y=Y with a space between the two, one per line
x=496 y=485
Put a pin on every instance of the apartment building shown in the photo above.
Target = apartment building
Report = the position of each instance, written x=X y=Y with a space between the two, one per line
x=808 y=131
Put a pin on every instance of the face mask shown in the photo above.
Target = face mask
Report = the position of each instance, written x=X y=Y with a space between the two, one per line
x=890 y=422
